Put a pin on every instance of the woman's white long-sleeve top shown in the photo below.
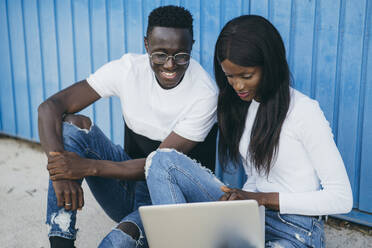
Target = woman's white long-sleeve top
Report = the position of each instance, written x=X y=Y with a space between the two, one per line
x=308 y=171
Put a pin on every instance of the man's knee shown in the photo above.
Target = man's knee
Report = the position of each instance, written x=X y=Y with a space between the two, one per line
x=131 y=229
x=81 y=121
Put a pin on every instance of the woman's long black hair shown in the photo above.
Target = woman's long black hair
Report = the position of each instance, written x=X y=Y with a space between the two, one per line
x=251 y=40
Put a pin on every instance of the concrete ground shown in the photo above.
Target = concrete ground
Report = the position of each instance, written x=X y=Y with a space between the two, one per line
x=23 y=189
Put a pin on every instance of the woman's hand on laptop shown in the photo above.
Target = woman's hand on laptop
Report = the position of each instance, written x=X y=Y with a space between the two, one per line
x=269 y=200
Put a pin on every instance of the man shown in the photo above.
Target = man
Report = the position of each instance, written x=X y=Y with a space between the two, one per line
x=167 y=100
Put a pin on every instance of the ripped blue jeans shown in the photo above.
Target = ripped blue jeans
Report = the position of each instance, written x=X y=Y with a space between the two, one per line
x=174 y=178
x=119 y=199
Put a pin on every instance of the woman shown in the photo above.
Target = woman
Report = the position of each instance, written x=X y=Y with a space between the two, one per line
x=286 y=145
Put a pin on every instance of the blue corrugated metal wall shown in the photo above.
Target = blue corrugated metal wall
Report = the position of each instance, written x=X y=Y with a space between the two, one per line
x=46 y=45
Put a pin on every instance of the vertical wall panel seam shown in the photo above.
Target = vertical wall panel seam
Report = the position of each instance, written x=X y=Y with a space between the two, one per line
x=73 y=40
x=109 y=59
x=200 y=33
x=1 y=120
x=363 y=72
x=11 y=68
x=222 y=16
x=125 y=27
x=41 y=50
x=269 y=10
x=91 y=52
x=314 y=53
x=27 y=72
x=336 y=106
x=57 y=46
x=291 y=36
x=143 y=25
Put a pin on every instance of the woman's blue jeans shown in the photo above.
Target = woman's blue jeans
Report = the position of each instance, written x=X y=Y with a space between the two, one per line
x=174 y=178
x=119 y=199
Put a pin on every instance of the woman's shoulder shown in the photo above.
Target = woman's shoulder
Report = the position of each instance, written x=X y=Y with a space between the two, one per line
x=303 y=112
x=301 y=104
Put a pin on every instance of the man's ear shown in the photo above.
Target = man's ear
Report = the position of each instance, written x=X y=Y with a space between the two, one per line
x=192 y=44
x=146 y=44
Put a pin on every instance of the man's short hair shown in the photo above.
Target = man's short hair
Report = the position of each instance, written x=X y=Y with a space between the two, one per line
x=170 y=16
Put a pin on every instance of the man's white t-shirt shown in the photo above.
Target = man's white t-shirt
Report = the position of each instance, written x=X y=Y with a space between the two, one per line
x=308 y=171
x=189 y=109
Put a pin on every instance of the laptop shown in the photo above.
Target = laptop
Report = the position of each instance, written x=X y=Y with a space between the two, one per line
x=222 y=224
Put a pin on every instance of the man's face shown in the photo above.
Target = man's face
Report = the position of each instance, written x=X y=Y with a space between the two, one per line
x=170 y=41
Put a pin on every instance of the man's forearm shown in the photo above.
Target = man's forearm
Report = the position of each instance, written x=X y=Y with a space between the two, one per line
x=50 y=128
x=70 y=100
x=129 y=170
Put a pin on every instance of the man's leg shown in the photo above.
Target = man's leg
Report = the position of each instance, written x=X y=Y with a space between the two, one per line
x=130 y=224
x=114 y=196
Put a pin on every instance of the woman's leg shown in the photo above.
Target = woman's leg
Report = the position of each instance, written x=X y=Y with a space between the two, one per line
x=289 y=230
x=172 y=177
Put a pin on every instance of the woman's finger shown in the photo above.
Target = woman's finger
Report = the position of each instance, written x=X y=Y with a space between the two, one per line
x=225 y=189
x=224 y=197
x=234 y=196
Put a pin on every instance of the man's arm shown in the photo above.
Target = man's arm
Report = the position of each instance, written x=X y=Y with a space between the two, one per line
x=69 y=100
x=62 y=165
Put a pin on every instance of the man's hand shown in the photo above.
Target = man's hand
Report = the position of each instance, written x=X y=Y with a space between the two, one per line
x=69 y=194
x=269 y=200
x=67 y=165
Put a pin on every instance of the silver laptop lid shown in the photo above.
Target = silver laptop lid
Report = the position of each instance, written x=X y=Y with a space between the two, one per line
x=224 y=224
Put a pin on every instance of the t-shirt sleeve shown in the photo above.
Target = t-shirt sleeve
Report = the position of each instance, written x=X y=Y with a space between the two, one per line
x=199 y=119
x=335 y=196
x=106 y=81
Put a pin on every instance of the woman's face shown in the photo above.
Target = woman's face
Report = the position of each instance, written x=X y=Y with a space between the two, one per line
x=244 y=80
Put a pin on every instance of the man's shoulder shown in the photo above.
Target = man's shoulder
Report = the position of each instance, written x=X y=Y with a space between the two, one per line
x=201 y=79
x=130 y=64
x=134 y=59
